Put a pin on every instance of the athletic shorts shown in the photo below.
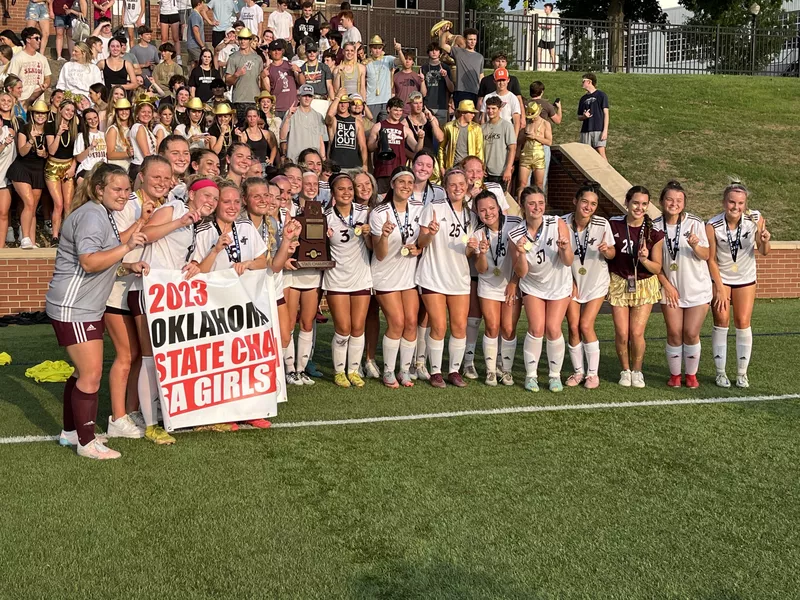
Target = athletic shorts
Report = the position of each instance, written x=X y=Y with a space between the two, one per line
x=77 y=332
x=169 y=19
x=356 y=293
x=136 y=303
x=546 y=45
x=593 y=139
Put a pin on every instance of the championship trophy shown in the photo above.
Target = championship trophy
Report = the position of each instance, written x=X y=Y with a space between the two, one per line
x=312 y=250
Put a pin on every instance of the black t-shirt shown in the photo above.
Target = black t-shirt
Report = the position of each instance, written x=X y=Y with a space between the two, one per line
x=488 y=86
x=595 y=102
x=201 y=81
x=437 y=88
x=65 y=145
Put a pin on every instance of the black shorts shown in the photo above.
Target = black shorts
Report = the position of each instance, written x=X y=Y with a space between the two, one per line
x=169 y=19
x=546 y=45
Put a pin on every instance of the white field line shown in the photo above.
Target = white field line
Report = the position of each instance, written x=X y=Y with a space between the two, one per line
x=480 y=412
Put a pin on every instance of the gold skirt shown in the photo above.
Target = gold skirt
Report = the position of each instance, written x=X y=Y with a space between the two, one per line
x=56 y=168
x=648 y=291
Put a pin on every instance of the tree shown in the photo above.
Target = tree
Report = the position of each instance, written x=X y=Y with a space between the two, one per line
x=493 y=36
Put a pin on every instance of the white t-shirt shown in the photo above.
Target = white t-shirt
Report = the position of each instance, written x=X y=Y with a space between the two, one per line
x=32 y=70
x=499 y=195
x=690 y=275
x=281 y=24
x=95 y=156
x=352 y=272
x=548 y=278
x=510 y=105
x=252 y=17
x=395 y=272
x=138 y=155
x=492 y=286
x=187 y=132
x=444 y=267
x=351 y=35
x=226 y=52
x=745 y=265
x=247 y=243
x=591 y=276
x=168 y=7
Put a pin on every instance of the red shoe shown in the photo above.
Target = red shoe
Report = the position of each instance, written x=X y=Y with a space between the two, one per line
x=455 y=379
x=259 y=423
x=437 y=380
x=691 y=381
x=674 y=381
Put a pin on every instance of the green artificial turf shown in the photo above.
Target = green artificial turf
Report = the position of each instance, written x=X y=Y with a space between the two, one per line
x=648 y=502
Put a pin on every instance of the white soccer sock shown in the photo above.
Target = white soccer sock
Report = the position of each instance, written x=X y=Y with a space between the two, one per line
x=531 y=351
x=305 y=342
x=422 y=344
x=691 y=358
x=148 y=391
x=406 y=353
x=355 y=351
x=390 y=349
x=435 y=352
x=674 y=355
x=473 y=323
x=719 y=346
x=288 y=355
x=490 y=353
x=592 y=351
x=508 y=349
x=576 y=357
x=744 y=346
x=555 y=356
x=339 y=352
x=455 y=351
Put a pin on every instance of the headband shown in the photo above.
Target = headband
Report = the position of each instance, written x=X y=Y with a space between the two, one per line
x=309 y=174
x=400 y=174
x=202 y=183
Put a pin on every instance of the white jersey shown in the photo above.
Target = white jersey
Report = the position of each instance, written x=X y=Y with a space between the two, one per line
x=686 y=272
x=287 y=279
x=444 y=267
x=548 y=278
x=499 y=194
x=168 y=7
x=247 y=244
x=395 y=272
x=743 y=270
x=124 y=220
x=349 y=251
x=271 y=244
x=590 y=275
x=430 y=193
x=492 y=284
x=172 y=251
x=133 y=10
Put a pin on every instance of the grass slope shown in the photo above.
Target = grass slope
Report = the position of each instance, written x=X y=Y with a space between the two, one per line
x=698 y=129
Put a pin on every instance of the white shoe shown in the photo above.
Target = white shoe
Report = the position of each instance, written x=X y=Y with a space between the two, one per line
x=305 y=379
x=26 y=244
x=97 y=450
x=412 y=372
x=470 y=372
x=422 y=372
x=70 y=438
x=10 y=238
x=371 y=369
x=723 y=381
x=293 y=379
x=625 y=378
x=637 y=379
x=742 y=381
x=124 y=427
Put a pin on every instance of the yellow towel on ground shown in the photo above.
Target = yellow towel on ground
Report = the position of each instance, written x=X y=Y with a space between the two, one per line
x=50 y=371
x=5 y=359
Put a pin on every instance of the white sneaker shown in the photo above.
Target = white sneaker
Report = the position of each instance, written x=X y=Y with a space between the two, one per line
x=124 y=427
x=422 y=372
x=637 y=379
x=625 y=378
x=305 y=379
x=742 y=381
x=371 y=369
x=412 y=372
x=293 y=379
x=723 y=381
x=10 y=238
x=138 y=420
x=26 y=244
x=470 y=372
x=70 y=438
x=97 y=450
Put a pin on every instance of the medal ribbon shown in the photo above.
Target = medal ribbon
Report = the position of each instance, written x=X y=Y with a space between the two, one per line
x=582 y=248
x=635 y=256
x=735 y=246
x=673 y=246
x=234 y=251
x=538 y=234
x=114 y=226
x=404 y=228
x=461 y=227
x=499 y=246
x=341 y=218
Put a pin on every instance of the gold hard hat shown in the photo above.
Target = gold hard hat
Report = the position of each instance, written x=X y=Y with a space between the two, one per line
x=244 y=34
x=39 y=107
x=195 y=104
x=122 y=103
x=439 y=26
x=223 y=108
x=376 y=41
x=532 y=110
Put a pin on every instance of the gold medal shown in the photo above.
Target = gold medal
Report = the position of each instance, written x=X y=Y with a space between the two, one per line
x=673 y=267
x=735 y=268
x=404 y=251
x=357 y=230
x=497 y=272
x=528 y=246
x=582 y=271
x=465 y=238
x=121 y=271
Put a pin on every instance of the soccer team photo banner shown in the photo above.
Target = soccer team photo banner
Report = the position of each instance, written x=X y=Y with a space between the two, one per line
x=216 y=346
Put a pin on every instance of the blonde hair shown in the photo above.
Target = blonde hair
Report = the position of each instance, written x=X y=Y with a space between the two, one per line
x=73 y=124
x=97 y=177
x=85 y=51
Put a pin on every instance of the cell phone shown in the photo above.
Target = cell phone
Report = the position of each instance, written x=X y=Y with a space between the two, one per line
x=557 y=101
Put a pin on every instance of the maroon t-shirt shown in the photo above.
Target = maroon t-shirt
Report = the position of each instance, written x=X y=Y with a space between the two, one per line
x=404 y=84
x=395 y=131
x=283 y=85
x=628 y=248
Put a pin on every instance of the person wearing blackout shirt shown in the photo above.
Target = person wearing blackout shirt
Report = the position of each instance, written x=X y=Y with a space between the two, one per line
x=347 y=146
x=593 y=111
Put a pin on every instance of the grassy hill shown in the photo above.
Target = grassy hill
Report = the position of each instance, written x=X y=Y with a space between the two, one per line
x=698 y=129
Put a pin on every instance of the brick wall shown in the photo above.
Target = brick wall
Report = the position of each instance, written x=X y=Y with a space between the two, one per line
x=563 y=181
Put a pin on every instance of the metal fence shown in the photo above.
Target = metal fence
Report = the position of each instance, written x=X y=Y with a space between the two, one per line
x=583 y=45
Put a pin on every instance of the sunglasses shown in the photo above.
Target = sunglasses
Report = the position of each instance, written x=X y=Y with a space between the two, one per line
x=36 y=38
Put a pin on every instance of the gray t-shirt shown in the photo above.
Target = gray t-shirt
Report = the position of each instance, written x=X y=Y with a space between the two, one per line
x=75 y=295
x=469 y=66
x=497 y=138
x=246 y=87
x=305 y=130
x=146 y=54
x=317 y=77
x=195 y=20
x=462 y=144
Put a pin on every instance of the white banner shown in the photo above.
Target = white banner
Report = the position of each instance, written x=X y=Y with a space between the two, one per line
x=216 y=345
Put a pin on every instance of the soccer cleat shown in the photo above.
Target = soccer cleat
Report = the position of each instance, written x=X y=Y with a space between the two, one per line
x=625 y=378
x=455 y=379
x=97 y=450
x=312 y=370
x=491 y=379
x=218 y=427
x=70 y=438
x=506 y=378
x=355 y=379
x=293 y=379
x=304 y=378
x=405 y=379
x=412 y=372
x=124 y=427
x=691 y=381
x=637 y=379
x=389 y=380
x=341 y=380
x=158 y=435
x=531 y=384
x=556 y=385
x=723 y=381
x=371 y=369
x=259 y=423
x=674 y=381
x=422 y=372
x=470 y=372
x=742 y=381
x=138 y=419
x=437 y=380
x=575 y=379
x=592 y=382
